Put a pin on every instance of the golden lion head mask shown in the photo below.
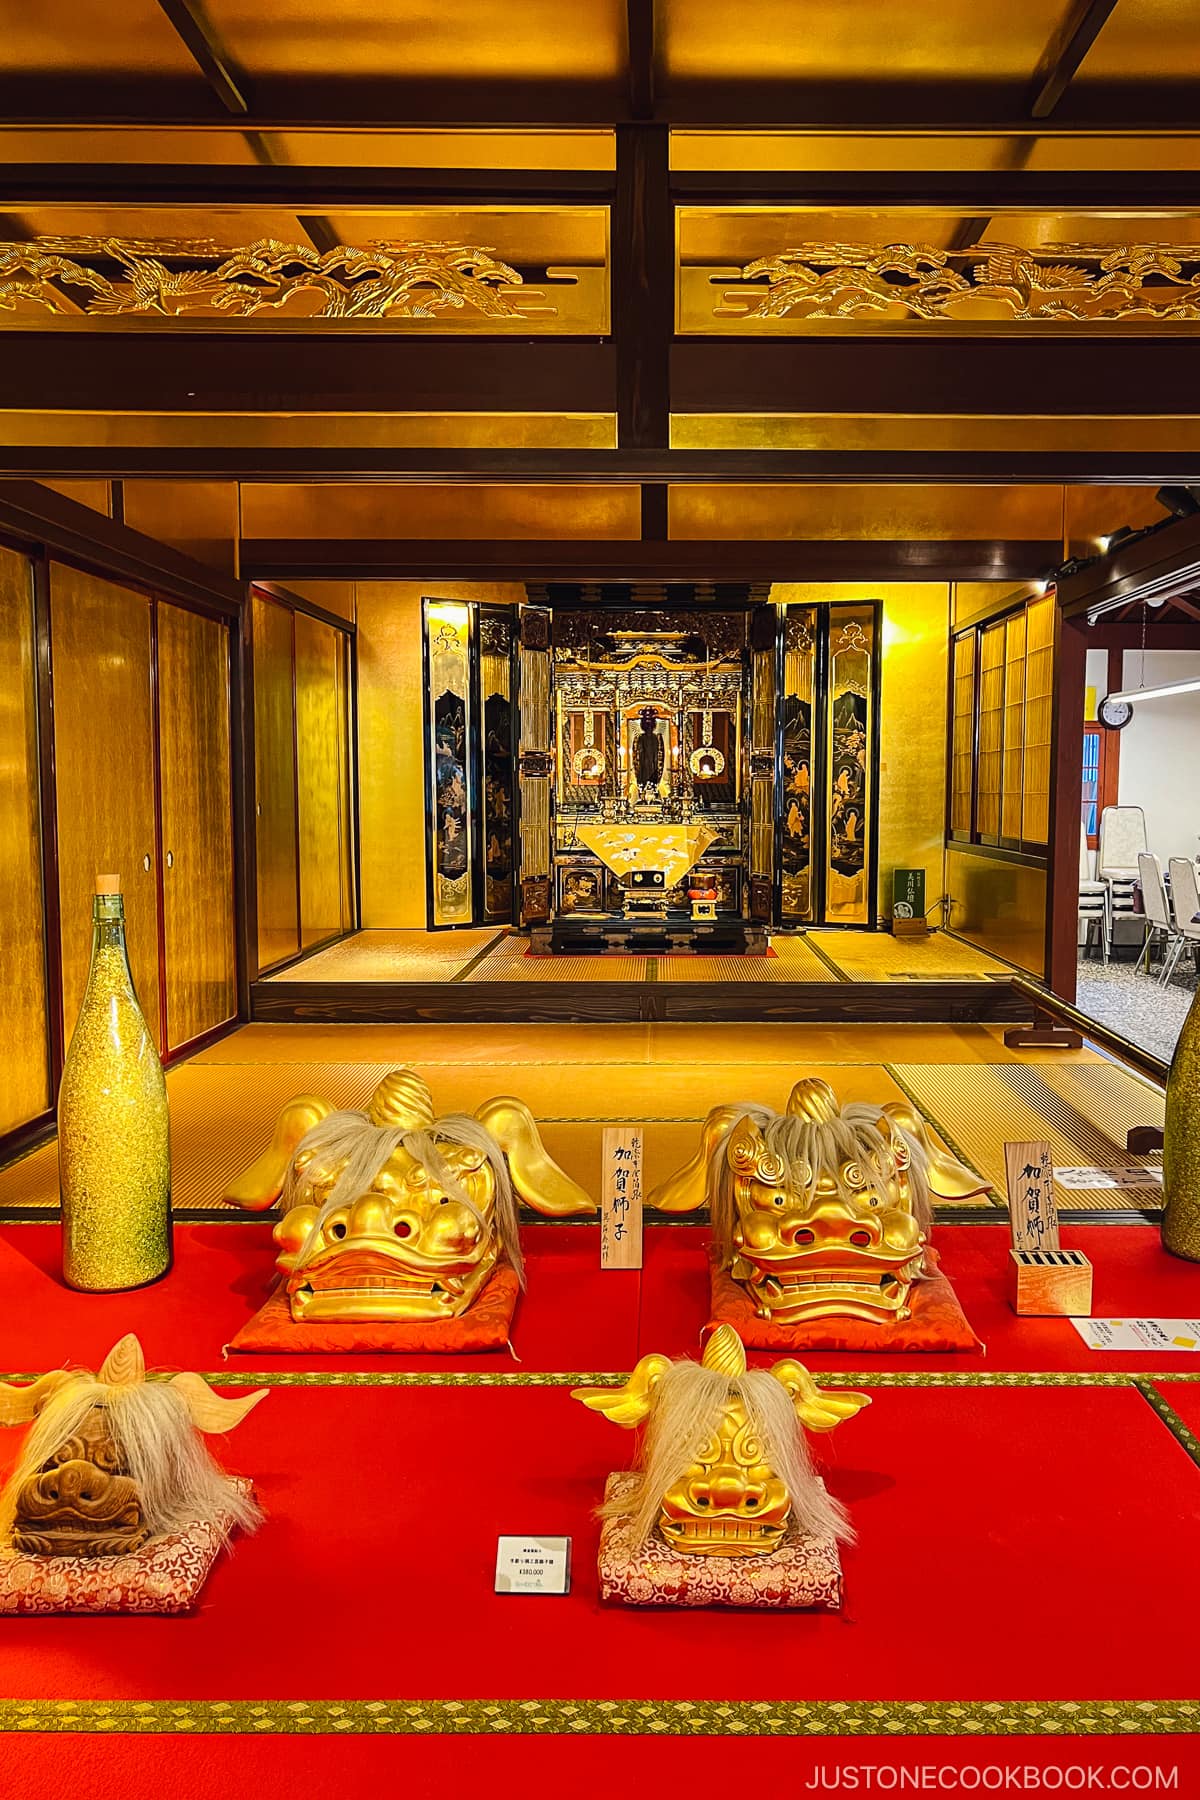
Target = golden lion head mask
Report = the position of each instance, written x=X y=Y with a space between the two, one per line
x=113 y=1460
x=823 y=1211
x=725 y=1468
x=395 y=1213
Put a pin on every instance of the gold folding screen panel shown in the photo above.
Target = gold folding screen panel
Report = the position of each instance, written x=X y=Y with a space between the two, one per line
x=104 y=755
x=852 y=730
x=449 y=725
x=275 y=782
x=796 y=816
x=322 y=780
x=197 y=823
x=25 y=1091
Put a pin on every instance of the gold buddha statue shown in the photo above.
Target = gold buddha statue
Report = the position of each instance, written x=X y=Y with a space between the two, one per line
x=395 y=1213
x=725 y=1469
x=822 y=1211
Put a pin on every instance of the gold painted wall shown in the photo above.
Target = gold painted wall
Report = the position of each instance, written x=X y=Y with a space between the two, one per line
x=913 y=721
x=25 y=1091
x=1000 y=905
x=391 y=749
x=198 y=517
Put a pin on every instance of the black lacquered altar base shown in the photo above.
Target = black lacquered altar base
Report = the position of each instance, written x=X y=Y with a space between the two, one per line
x=678 y=934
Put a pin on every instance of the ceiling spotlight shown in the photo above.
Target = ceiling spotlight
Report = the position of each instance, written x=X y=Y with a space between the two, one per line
x=1181 y=501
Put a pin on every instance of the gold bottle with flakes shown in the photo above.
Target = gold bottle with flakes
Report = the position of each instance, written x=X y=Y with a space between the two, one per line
x=114 y=1147
x=1181 y=1143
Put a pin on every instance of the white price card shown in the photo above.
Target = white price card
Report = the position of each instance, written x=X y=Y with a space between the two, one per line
x=1133 y=1175
x=1139 y=1334
x=533 y=1565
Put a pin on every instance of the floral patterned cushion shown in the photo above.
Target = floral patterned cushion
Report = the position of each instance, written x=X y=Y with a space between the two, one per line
x=165 y=1576
x=803 y=1572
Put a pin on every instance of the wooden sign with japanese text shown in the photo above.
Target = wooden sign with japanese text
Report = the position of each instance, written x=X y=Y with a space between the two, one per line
x=1032 y=1209
x=621 y=1198
x=1044 y=1280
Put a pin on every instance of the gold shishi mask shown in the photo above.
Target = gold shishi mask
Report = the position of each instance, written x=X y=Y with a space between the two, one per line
x=113 y=1461
x=823 y=1211
x=395 y=1213
x=725 y=1469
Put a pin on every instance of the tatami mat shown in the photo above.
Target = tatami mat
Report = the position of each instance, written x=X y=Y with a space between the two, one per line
x=1082 y=1111
x=392 y=956
x=223 y=1112
x=792 y=961
x=878 y=956
x=510 y=961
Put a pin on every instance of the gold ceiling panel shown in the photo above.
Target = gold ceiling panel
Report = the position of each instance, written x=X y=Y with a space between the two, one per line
x=411 y=40
x=466 y=512
x=866 y=511
x=870 y=41
x=489 y=269
x=315 y=431
x=894 y=150
x=795 y=269
x=1145 y=41
x=84 y=37
x=933 y=431
x=325 y=148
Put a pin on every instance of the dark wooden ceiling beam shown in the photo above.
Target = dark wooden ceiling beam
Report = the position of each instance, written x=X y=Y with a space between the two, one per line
x=70 y=460
x=643 y=286
x=683 y=560
x=192 y=26
x=643 y=84
x=930 y=373
x=274 y=182
x=386 y=104
x=1065 y=52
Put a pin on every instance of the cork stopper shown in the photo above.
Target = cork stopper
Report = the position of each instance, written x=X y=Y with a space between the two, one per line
x=108 y=884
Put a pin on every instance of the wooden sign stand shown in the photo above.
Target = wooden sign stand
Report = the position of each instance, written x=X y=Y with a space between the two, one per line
x=1044 y=1280
x=621 y=1198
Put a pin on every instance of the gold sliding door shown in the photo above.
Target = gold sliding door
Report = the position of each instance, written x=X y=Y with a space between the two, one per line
x=104 y=768
x=275 y=781
x=25 y=1091
x=322 y=779
x=197 y=842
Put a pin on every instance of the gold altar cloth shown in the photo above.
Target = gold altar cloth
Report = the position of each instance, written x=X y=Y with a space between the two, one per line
x=673 y=848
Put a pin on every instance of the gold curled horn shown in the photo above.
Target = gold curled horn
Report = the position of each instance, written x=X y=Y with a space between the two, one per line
x=747 y=1153
x=125 y=1364
x=725 y=1353
x=685 y=1190
x=260 y=1186
x=402 y=1099
x=813 y=1099
x=536 y=1177
x=20 y=1404
x=630 y=1404
x=949 y=1179
x=818 y=1409
x=211 y=1412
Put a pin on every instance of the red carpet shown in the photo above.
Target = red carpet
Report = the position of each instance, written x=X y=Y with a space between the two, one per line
x=1013 y=1544
x=574 y=1315
x=328 y=1768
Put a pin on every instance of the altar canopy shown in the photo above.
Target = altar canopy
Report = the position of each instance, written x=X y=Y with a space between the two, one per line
x=675 y=849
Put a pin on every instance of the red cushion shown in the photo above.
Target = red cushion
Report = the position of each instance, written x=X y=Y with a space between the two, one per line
x=484 y=1326
x=936 y=1321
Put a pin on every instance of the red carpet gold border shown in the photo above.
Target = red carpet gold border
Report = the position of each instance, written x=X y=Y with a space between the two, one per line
x=611 y=1718
x=556 y=1378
